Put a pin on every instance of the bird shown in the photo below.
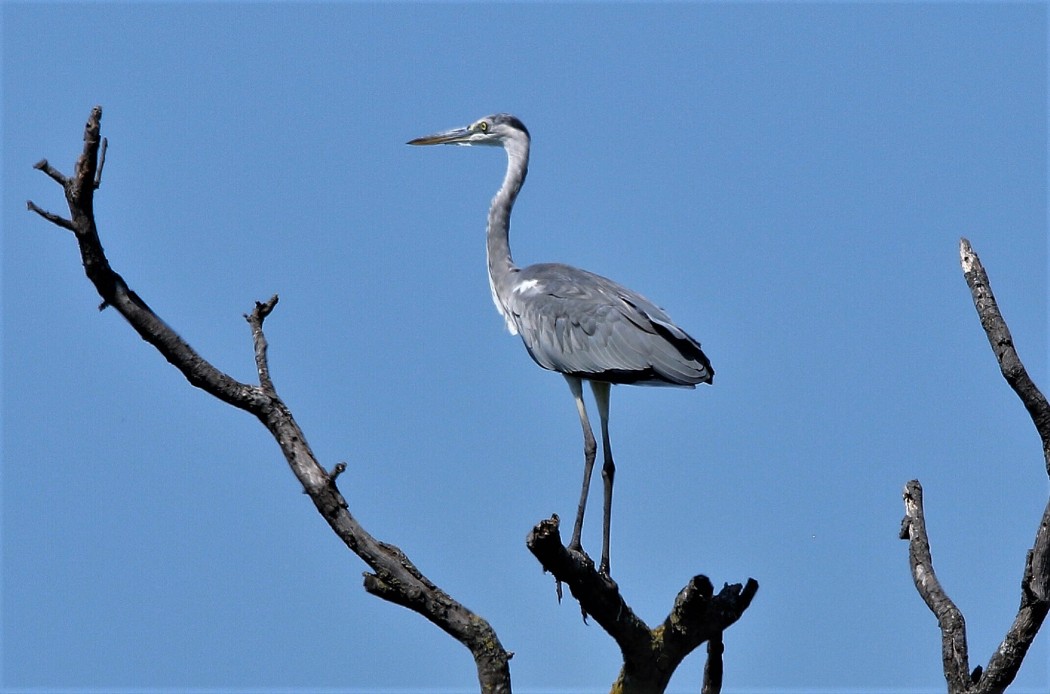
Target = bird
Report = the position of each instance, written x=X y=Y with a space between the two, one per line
x=577 y=323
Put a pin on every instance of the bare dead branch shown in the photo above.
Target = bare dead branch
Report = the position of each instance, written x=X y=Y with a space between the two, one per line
x=1002 y=668
x=1006 y=660
x=395 y=578
x=713 y=668
x=1002 y=344
x=255 y=320
x=79 y=192
x=51 y=171
x=698 y=617
x=650 y=655
x=954 y=653
x=1004 y=664
x=598 y=595
x=50 y=216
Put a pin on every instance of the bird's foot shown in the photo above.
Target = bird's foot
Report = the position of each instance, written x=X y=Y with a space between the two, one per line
x=603 y=573
x=576 y=546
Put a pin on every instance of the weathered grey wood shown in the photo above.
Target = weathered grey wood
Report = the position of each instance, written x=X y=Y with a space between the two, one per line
x=1005 y=662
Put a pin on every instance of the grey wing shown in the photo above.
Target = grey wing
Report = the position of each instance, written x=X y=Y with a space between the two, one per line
x=578 y=323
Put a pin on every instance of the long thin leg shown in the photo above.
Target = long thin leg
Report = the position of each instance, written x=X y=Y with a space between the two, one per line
x=601 y=398
x=589 y=450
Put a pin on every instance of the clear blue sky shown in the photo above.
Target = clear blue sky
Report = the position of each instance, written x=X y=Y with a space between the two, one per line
x=789 y=181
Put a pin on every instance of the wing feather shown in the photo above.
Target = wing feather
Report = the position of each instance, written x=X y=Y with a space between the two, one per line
x=578 y=323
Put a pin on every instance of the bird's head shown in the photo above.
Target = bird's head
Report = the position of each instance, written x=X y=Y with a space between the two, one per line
x=496 y=130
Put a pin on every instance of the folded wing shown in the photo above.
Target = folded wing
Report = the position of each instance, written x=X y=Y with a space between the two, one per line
x=582 y=324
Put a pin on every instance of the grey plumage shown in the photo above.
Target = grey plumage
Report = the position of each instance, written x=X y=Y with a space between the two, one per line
x=582 y=325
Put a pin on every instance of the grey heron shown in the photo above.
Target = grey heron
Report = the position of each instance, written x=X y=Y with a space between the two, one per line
x=572 y=321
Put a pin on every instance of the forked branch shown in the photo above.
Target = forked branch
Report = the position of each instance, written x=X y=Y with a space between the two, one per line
x=395 y=578
x=1004 y=664
x=650 y=656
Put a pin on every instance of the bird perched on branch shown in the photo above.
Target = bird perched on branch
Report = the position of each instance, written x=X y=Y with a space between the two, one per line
x=572 y=321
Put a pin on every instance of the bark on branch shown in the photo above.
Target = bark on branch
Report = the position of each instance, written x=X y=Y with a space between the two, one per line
x=1004 y=664
x=394 y=577
x=650 y=655
x=954 y=654
x=1002 y=344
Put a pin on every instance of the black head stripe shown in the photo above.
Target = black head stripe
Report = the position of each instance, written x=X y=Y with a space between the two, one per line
x=512 y=121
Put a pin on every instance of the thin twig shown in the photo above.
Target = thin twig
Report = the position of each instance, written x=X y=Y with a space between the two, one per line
x=255 y=320
x=50 y=216
x=56 y=175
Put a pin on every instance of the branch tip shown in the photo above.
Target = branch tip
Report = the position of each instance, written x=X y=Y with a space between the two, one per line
x=50 y=216
x=750 y=590
x=55 y=175
x=1002 y=344
x=966 y=255
x=263 y=309
x=94 y=123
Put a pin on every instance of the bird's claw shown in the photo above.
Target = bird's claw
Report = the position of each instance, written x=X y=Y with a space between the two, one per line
x=583 y=557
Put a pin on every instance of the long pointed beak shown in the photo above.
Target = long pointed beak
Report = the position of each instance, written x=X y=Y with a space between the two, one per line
x=457 y=136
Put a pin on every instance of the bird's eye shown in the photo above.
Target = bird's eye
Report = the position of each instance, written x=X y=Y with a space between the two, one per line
x=483 y=126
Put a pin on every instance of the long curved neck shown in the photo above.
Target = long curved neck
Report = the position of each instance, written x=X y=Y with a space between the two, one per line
x=500 y=264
